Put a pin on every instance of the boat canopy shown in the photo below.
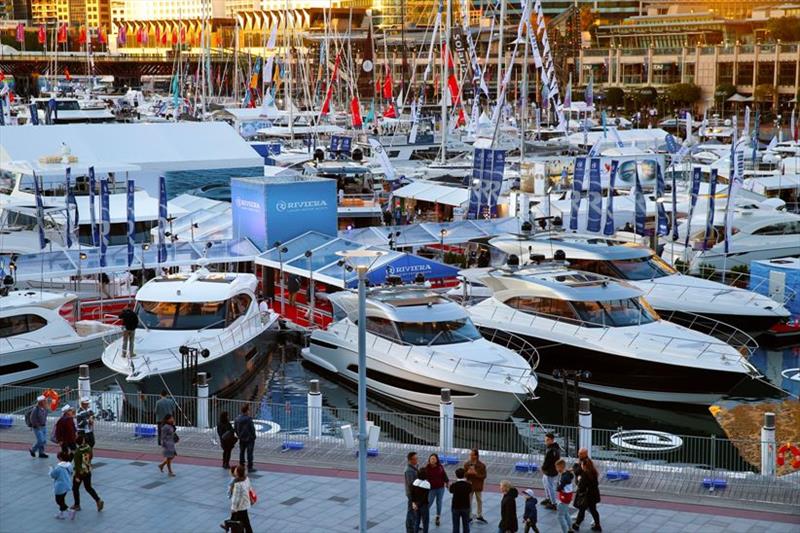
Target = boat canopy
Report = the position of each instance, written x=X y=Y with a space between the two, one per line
x=428 y=233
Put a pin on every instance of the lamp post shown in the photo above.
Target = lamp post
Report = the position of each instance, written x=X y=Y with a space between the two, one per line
x=310 y=293
x=576 y=376
x=361 y=261
x=281 y=250
x=442 y=235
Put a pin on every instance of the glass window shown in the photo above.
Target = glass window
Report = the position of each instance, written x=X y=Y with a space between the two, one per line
x=381 y=327
x=237 y=306
x=616 y=313
x=433 y=333
x=19 y=324
x=184 y=315
x=641 y=268
x=550 y=307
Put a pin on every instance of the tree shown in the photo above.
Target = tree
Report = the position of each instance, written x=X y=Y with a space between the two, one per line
x=765 y=93
x=615 y=97
x=724 y=91
x=647 y=96
x=785 y=29
x=684 y=93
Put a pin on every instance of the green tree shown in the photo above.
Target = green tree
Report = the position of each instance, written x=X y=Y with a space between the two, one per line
x=615 y=97
x=785 y=29
x=647 y=96
x=724 y=91
x=765 y=94
x=684 y=93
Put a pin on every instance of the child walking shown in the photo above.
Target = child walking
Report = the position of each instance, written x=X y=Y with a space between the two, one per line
x=83 y=474
x=62 y=483
x=531 y=515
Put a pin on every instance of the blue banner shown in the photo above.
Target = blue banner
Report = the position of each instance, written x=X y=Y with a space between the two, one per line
x=496 y=180
x=105 y=220
x=595 y=196
x=34 y=114
x=131 y=220
x=712 y=191
x=475 y=185
x=661 y=213
x=162 y=219
x=37 y=189
x=67 y=216
x=695 y=190
x=588 y=94
x=334 y=144
x=408 y=266
x=674 y=206
x=609 y=228
x=672 y=144
x=72 y=207
x=93 y=216
x=486 y=182
x=640 y=207
x=577 y=188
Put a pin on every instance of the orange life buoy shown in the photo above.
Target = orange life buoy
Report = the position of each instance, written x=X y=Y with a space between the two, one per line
x=53 y=396
x=791 y=448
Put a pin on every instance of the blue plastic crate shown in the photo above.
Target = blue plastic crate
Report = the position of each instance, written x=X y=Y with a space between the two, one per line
x=618 y=475
x=524 y=466
x=145 y=431
x=371 y=452
x=293 y=445
x=714 y=483
x=449 y=459
x=6 y=421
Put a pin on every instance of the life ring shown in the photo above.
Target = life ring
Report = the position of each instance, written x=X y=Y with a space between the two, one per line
x=794 y=450
x=53 y=396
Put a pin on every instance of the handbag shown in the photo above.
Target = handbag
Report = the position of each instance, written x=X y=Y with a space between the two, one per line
x=228 y=439
x=253 y=496
x=565 y=497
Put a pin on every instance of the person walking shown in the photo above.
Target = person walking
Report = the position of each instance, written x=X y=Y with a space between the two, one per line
x=508 y=508
x=82 y=474
x=164 y=406
x=587 y=495
x=37 y=421
x=62 y=482
x=531 y=515
x=460 y=502
x=476 y=475
x=409 y=476
x=85 y=421
x=239 y=492
x=169 y=437
x=420 y=490
x=437 y=477
x=130 y=321
x=246 y=432
x=227 y=438
x=549 y=472
x=65 y=431
x=565 y=490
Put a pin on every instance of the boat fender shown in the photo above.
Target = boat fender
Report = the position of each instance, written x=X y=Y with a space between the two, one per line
x=795 y=451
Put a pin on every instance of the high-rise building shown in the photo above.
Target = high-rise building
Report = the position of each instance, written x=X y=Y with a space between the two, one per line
x=21 y=9
x=173 y=9
x=91 y=13
x=49 y=11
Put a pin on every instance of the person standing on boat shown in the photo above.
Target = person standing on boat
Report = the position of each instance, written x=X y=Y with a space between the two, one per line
x=437 y=477
x=38 y=423
x=476 y=475
x=227 y=438
x=169 y=437
x=65 y=431
x=164 y=407
x=550 y=474
x=85 y=421
x=246 y=431
x=409 y=475
x=130 y=321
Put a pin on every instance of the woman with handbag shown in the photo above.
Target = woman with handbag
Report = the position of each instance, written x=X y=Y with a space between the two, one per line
x=227 y=438
x=242 y=497
x=169 y=437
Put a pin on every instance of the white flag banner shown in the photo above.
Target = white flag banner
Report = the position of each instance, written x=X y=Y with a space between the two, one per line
x=383 y=158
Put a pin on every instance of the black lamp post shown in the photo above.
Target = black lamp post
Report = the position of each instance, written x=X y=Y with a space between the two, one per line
x=576 y=376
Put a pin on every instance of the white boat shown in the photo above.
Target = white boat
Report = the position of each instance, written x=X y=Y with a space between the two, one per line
x=584 y=322
x=73 y=110
x=36 y=341
x=666 y=289
x=419 y=343
x=215 y=314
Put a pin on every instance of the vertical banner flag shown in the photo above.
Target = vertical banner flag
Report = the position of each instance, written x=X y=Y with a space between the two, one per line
x=577 y=188
x=589 y=93
x=486 y=182
x=105 y=220
x=640 y=207
x=661 y=213
x=68 y=217
x=609 y=228
x=674 y=205
x=475 y=185
x=734 y=187
x=712 y=191
x=498 y=167
x=162 y=219
x=34 y=114
x=595 y=196
x=131 y=219
x=37 y=189
x=672 y=144
x=92 y=213
x=383 y=158
x=696 y=174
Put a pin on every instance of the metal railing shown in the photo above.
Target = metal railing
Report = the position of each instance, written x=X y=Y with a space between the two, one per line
x=744 y=280
x=711 y=294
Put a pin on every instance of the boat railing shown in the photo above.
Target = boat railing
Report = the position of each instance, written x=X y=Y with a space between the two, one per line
x=441 y=360
x=730 y=335
x=737 y=280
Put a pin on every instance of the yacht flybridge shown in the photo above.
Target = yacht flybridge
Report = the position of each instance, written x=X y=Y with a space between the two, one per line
x=215 y=314
x=583 y=321
x=418 y=343
x=667 y=290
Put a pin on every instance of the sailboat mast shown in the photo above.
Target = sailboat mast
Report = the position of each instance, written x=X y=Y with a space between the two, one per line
x=443 y=86
x=524 y=110
x=289 y=69
x=500 y=46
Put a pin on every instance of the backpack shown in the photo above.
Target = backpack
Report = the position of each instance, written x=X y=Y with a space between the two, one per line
x=28 y=416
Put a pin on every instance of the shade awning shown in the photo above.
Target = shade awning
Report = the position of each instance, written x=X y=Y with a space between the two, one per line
x=431 y=192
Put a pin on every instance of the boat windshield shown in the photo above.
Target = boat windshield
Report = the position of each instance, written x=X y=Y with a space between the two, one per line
x=642 y=268
x=614 y=313
x=433 y=333
x=181 y=315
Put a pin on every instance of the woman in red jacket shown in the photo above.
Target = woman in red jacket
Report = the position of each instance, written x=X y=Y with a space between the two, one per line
x=438 y=480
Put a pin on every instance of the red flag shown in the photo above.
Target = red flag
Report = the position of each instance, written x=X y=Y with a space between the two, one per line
x=387 y=86
x=10 y=97
x=42 y=35
x=67 y=74
x=462 y=121
x=326 y=105
x=82 y=36
x=20 y=32
x=355 y=108
x=102 y=38
x=452 y=84
x=174 y=37
x=183 y=34
x=2 y=76
x=377 y=86
x=158 y=34
x=390 y=112
x=62 y=34
x=164 y=38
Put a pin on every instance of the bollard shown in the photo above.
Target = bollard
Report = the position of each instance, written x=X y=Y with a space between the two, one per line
x=202 y=400
x=585 y=425
x=314 y=410
x=84 y=385
x=446 y=414
x=768 y=445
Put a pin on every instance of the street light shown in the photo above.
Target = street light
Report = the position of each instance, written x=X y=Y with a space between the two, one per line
x=362 y=261
x=310 y=292
x=442 y=235
x=576 y=376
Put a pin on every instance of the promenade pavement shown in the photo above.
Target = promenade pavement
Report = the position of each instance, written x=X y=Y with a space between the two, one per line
x=292 y=499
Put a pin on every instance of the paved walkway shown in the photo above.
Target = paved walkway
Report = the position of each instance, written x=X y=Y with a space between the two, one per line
x=291 y=499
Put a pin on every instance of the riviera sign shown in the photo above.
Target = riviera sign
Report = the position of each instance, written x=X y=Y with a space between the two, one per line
x=643 y=440
x=306 y=205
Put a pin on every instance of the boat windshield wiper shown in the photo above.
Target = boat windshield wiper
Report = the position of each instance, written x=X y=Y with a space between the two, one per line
x=435 y=337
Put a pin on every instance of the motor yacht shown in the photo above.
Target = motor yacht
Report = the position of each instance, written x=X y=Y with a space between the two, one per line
x=593 y=324
x=418 y=343
x=671 y=293
x=197 y=322
x=37 y=339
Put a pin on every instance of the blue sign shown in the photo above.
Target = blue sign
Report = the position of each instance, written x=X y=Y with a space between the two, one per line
x=407 y=267
x=162 y=219
x=595 y=196
x=672 y=145
x=248 y=200
x=496 y=181
x=131 y=220
x=475 y=185
x=696 y=175
x=105 y=220
x=577 y=187
x=609 y=227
